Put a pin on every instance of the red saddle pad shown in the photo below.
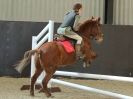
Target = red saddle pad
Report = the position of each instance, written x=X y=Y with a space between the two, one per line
x=67 y=46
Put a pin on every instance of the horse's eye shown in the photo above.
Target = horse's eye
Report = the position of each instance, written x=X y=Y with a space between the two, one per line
x=91 y=37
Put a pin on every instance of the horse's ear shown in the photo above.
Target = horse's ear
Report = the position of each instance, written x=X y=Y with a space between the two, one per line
x=92 y=17
x=99 y=19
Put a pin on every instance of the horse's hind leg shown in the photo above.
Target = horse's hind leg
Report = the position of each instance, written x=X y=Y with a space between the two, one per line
x=34 y=77
x=46 y=79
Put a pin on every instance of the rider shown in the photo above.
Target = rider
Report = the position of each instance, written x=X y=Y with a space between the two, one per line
x=69 y=26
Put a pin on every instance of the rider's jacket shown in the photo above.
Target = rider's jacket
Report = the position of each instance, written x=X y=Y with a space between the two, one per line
x=69 y=19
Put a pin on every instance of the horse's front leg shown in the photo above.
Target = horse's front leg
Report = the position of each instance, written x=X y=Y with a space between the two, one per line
x=93 y=55
x=86 y=63
x=89 y=57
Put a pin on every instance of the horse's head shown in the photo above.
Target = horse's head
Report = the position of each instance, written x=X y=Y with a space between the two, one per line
x=95 y=31
x=92 y=29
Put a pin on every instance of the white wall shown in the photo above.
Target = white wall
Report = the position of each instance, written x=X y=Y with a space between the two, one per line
x=43 y=10
x=123 y=12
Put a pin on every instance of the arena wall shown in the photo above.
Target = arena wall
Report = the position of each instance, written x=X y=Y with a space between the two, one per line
x=114 y=54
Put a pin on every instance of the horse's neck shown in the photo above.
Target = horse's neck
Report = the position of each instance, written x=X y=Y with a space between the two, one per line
x=86 y=42
x=85 y=33
x=86 y=46
x=86 y=39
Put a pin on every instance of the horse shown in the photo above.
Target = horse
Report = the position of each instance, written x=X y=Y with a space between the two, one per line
x=51 y=55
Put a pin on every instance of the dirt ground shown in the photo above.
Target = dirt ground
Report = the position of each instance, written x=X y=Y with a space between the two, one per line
x=10 y=89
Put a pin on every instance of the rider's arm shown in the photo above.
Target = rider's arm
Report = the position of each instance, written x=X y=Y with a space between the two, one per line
x=76 y=23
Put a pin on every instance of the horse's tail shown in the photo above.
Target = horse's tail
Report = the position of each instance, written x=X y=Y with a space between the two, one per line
x=25 y=61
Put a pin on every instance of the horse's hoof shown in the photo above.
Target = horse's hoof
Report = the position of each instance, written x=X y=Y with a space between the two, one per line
x=41 y=90
x=84 y=65
x=52 y=96
x=32 y=94
x=49 y=95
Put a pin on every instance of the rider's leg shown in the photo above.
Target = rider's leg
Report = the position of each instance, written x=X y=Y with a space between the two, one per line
x=78 y=46
x=67 y=31
x=73 y=35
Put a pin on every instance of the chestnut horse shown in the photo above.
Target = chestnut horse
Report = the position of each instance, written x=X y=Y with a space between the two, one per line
x=51 y=55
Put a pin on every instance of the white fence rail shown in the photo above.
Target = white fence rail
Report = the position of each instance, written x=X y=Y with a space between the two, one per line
x=94 y=76
x=90 y=89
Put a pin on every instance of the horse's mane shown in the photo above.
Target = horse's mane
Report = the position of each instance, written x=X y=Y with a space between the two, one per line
x=83 y=27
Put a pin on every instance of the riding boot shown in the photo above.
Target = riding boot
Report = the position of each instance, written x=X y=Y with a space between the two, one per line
x=78 y=51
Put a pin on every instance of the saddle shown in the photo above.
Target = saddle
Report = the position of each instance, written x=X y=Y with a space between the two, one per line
x=67 y=43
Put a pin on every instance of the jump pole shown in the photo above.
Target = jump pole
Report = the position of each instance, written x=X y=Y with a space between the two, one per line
x=94 y=76
x=73 y=85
